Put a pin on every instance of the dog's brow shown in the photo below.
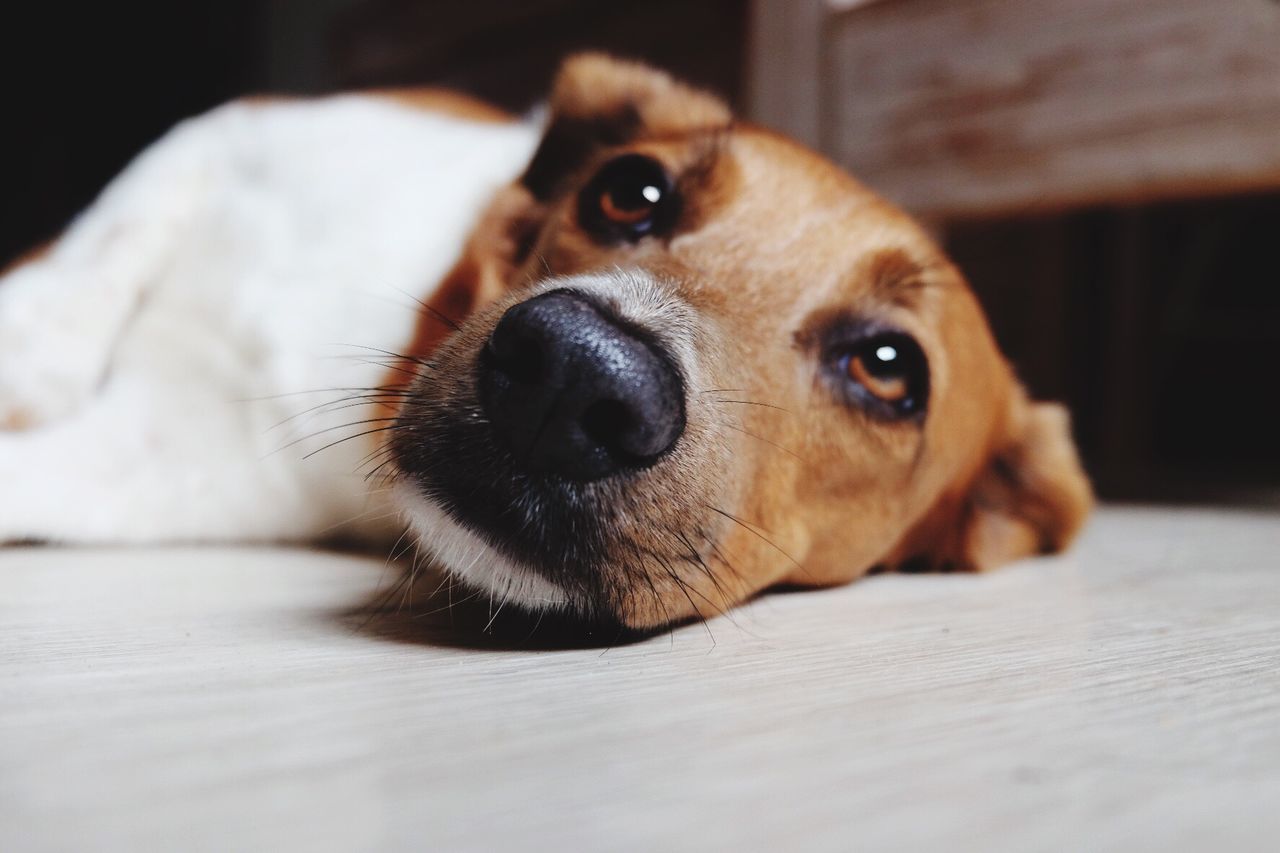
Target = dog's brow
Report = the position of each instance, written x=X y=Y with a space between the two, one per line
x=894 y=274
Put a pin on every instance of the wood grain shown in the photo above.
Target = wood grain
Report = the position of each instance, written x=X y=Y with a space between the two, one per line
x=1125 y=696
x=1005 y=105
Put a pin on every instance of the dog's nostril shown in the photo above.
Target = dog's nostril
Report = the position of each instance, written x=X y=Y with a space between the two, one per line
x=571 y=392
x=612 y=425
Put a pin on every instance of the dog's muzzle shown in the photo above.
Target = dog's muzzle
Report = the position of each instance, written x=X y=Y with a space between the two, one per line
x=572 y=392
x=543 y=456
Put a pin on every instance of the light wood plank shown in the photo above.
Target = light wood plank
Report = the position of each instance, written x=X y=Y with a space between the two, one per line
x=1125 y=696
x=997 y=105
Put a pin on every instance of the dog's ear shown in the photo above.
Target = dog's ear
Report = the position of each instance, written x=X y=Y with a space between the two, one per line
x=600 y=101
x=1031 y=496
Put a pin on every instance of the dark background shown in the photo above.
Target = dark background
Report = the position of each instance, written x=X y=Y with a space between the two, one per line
x=1163 y=321
x=88 y=85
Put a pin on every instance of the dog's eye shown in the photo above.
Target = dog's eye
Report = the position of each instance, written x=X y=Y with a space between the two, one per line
x=631 y=197
x=886 y=372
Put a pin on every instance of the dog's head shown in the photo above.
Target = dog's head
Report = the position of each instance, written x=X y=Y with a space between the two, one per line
x=706 y=361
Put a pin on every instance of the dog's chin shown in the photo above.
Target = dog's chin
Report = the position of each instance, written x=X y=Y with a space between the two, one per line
x=467 y=556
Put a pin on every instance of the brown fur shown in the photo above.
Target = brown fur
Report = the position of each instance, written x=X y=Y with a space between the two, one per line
x=777 y=481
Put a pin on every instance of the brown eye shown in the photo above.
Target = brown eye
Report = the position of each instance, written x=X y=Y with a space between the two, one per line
x=877 y=373
x=624 y=210
x=630 y=197
x=885 y=373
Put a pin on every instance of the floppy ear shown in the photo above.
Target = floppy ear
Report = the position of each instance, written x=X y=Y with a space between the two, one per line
x=600 y=101
x=1031 y=496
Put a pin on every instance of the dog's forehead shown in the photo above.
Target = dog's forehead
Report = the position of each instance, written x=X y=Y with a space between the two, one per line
x=772 y=212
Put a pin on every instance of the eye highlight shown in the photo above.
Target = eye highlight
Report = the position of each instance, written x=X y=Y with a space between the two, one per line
x=884 y=372
x=631 y=197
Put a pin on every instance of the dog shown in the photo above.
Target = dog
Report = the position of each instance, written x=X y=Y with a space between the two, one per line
x=660 y=359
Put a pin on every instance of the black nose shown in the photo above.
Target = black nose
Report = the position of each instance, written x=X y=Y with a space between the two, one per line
x=573 y=393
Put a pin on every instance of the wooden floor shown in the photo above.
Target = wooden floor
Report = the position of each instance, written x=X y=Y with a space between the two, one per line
x=1124 y=697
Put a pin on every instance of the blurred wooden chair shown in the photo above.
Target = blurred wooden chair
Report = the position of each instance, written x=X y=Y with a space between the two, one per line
x=975 y=107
